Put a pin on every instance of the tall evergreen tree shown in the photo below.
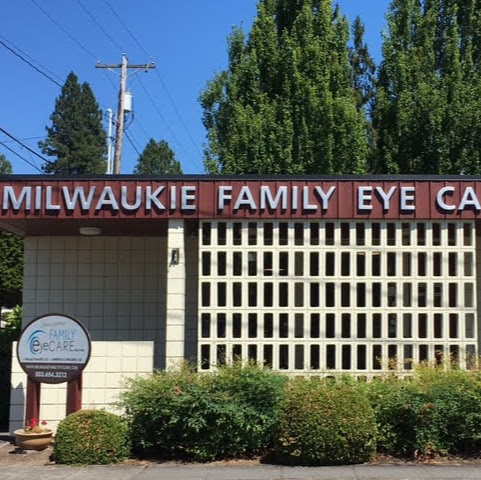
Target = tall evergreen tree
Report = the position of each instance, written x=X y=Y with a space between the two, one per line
x=286 y=103
x=363 y=68
x=363 y=79
x=76 y=138
x=429 y=89
x=157 y=159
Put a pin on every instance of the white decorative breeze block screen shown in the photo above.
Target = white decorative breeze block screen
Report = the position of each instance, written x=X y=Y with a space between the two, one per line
x=314 y=297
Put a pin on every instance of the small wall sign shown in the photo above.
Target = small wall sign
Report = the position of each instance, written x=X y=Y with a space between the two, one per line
x=54 y=348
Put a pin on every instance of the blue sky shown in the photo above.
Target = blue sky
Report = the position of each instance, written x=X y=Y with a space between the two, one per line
x=187 y=41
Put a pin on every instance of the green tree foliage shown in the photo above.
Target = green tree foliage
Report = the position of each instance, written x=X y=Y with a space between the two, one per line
x=429 y=91
x=363 y=79
x=157 y=159
x=11 y=258
x=5 y=166
x=8 y=334
x=286 y=103
x=11 y=269
x=76 y=138
x=363 y=68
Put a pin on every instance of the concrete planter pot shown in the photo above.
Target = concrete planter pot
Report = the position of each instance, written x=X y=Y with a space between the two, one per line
x=33 y=441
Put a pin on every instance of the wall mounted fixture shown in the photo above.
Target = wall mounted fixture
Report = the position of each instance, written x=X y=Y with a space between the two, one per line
x=175 y=256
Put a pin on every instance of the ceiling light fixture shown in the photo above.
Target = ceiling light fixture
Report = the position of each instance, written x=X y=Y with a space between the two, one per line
x=90 y=231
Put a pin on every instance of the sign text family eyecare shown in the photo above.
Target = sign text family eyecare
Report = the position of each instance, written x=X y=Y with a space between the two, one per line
x=53 y=348
x=238 y=198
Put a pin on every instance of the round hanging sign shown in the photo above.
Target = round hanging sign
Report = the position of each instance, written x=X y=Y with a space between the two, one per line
x=54 y=348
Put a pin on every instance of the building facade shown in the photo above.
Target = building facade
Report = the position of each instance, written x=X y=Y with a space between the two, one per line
x=312 y=276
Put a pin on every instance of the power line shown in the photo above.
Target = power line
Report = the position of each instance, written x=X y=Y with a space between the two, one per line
x=23 y=145
x=126 y=28
x=112 y=40
x=75 y=40
x=31 y=158
x=147 y=136
x=49 y=78
x=26 y=138
x=131 y=142
x=157 y=109
x=178 y=114
x=30 y=57
x=85 y=49
x=158 y=74
x=99 y=25
x=29 y=63
x=78 y=43
x=20 y=156
x=52 y=80
x=140 y=46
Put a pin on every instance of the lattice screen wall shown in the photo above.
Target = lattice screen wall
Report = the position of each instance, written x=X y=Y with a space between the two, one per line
x=315 y=297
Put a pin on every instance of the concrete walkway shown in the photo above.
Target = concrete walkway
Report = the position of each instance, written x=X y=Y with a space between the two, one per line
x=262 y=472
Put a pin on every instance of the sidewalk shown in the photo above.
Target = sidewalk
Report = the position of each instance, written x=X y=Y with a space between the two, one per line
x=251 y=472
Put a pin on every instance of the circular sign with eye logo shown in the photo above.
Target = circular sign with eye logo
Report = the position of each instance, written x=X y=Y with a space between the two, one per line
x=54 y=348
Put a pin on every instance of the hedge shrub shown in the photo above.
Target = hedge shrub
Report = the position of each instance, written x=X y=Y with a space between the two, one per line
x=436 y=411
x=91 y=437
x=325 y=423
x=204 y=417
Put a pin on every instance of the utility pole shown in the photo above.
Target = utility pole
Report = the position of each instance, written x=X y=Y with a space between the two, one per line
x=119 y=131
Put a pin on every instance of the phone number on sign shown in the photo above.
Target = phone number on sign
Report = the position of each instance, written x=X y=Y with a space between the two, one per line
x=50 y=374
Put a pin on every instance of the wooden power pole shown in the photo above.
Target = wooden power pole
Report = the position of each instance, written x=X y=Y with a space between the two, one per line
x=119 y=131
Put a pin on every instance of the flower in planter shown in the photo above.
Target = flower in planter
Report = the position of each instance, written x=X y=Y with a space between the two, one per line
x=33 y=426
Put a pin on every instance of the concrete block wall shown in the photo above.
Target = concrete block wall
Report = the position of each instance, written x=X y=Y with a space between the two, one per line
x=111 y=363
x=114 y=285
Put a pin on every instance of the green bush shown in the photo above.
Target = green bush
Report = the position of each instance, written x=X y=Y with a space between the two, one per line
x=204 y=416
x=9 y=334
x=325 y=423
x=91 y=437
x=437 y=411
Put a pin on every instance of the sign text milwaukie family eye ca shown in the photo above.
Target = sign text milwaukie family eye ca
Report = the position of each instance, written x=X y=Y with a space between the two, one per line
x=258 y=198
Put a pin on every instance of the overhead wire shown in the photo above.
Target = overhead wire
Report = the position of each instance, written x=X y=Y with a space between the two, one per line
x=159 y=113
x=31 y=158
x=74 y=39
x=46 y=76
x=26 y=138
x=77 y=42
x=64 y=30
x=178 y=113
x=12 y=137
x=99 y=25
x=20 y=156
x=24 y=145
x=112 y=40
x=29 y=63
x=158 y=75
x=147 y=136
x=16 y=47
x=131 y=142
